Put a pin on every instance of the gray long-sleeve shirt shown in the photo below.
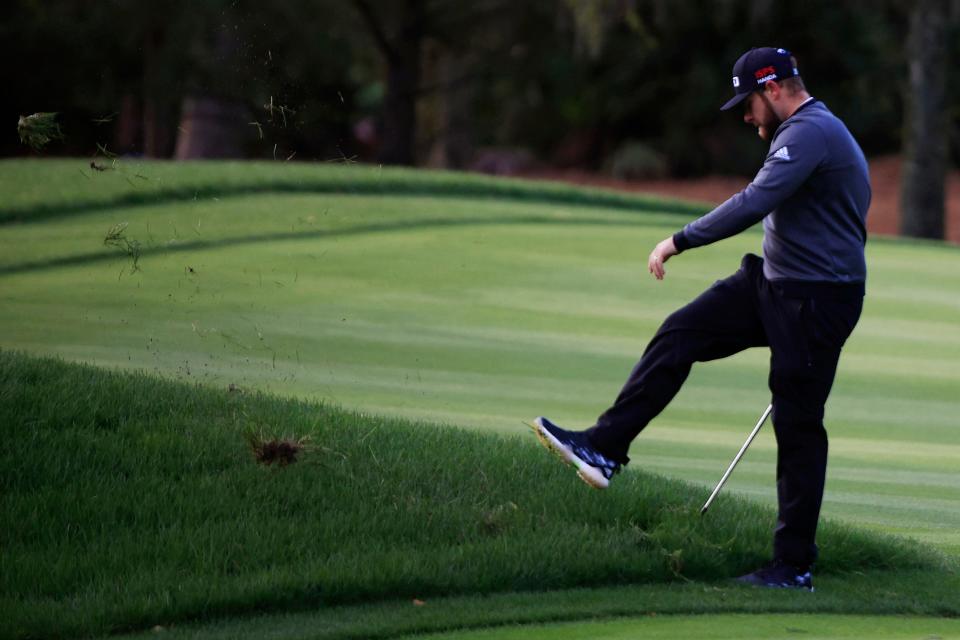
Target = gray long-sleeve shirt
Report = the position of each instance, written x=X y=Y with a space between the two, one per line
x=812 y=194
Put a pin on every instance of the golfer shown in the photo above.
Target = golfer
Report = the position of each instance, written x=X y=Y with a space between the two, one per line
x=801 y=299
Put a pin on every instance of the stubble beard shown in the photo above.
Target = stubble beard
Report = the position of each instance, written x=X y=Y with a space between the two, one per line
x=768 y=125
x=768 y=128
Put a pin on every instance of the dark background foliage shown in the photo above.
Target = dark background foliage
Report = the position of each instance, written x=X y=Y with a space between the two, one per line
x=561 y=83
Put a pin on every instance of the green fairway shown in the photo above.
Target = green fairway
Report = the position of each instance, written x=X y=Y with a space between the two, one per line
x=477 y=311
x=477 y=303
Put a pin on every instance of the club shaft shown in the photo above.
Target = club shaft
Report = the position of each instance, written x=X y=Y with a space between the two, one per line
x=743 y=450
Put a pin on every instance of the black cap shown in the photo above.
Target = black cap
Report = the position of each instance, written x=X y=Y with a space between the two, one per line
x=757 y=67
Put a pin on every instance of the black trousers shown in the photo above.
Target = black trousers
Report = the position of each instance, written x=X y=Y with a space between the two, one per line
x=805 y=325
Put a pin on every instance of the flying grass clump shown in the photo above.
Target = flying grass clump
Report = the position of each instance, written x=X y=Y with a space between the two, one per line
x=117 y=237
x=38 y=130
x=280 y=110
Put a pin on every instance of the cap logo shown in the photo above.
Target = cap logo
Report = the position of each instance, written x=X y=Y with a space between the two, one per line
x=736 y=82
x=765 y=71
x=765 y=74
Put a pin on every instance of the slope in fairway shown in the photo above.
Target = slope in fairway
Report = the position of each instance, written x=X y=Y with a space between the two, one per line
x=130 y=480
x=474 y=311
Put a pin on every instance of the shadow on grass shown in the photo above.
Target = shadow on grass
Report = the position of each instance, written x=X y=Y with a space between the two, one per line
x=468 y=189
x=876 y=594
x=200 y=245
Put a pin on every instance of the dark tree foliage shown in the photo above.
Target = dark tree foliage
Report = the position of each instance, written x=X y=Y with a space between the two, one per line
x=119 y=72
x=570 y=82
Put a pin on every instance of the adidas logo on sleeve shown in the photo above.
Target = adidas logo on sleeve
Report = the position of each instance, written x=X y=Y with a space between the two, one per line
x=783 y=153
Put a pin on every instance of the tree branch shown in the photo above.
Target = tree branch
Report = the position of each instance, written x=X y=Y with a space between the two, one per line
x=376 y=29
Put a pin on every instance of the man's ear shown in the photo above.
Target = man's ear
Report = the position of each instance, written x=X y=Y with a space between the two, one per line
x=772 y=89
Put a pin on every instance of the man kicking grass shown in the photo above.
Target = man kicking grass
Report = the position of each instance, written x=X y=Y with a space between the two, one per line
x=801 y=299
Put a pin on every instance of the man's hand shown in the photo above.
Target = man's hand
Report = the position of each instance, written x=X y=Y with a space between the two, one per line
x=660 y=254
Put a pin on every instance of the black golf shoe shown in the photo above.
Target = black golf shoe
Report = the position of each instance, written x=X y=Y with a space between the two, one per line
x=779 y=574
x=574 y=447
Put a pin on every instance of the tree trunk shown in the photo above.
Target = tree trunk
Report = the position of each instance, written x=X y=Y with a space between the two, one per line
x=458 y=112
x=210 y=128
x=449 y=119
x=922 y=197
x=128 y=133
x=157 y=138
x=212 y=124
x=399 y=131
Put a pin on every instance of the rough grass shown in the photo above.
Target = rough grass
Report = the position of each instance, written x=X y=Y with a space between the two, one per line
x=130 y=500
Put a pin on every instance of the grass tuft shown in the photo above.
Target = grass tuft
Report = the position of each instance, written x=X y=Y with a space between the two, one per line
x=269 y=449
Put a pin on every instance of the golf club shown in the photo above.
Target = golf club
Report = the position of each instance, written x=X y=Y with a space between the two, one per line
x=743 y=449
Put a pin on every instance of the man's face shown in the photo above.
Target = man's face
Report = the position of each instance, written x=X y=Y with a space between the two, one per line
x=757 y=112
